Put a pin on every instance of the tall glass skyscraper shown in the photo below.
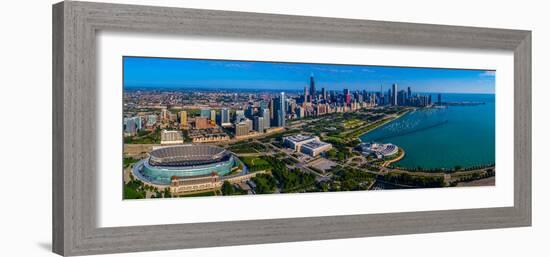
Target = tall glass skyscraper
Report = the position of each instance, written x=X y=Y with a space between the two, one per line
x=132 y=124
x=259 y=124
x=265 y=115
x=280 y=111
x=224 y=117
x=394 y=94
x=239 y=115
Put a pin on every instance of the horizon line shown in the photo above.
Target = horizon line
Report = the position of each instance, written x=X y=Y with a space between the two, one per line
x=298 y=90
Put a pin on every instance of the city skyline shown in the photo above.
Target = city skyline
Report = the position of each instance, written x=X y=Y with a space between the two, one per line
x=170 y=73
x=314 y=131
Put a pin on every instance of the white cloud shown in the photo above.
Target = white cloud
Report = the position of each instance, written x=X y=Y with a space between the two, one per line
x=488 y=73
x=333 y=70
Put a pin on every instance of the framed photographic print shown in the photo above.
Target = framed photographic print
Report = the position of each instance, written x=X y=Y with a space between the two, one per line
x=181 y=128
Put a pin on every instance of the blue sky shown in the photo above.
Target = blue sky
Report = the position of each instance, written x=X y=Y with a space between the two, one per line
x=189 y=73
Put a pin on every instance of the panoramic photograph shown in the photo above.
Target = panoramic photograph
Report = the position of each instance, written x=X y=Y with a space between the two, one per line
x=202 y=127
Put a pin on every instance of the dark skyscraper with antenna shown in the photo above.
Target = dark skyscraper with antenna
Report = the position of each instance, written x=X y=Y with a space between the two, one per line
x=312 y=90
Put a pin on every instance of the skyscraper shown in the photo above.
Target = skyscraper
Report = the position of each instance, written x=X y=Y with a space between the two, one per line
x=264 y=104
x=271 y=109
x=306 y=95
x=139 y=126
x=357 y=96
x=280 y=111
x=439 y=99
x=324 y=94
x=300 y=113
x=249 y=122
x=347 y=96
x=394 y=94
x=249 y=112
x=224 y=117
x=241 y=129
x=265 y=115
x=402 y=97
x=132 y=125
x=129 y=126
x=164 y=115
x=332 y=96
x=213 y=115
x=259 y=124
x=239 y=115
x=183 y=119
x=312 y=90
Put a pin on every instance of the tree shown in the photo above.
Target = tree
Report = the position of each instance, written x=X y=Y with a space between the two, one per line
x=265 y=183
x=332 y=153
x=132 y=193
x=167 y=193
x=227 y=188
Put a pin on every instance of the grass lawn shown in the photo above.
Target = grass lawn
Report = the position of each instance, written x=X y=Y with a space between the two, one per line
x=129 y=161
x=352 y=123
x=252 y=161
x=255 y=163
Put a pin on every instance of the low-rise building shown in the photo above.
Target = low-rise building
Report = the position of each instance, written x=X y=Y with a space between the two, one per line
x=169 y=137
x=179 y=185
x=182 y=185
x=202 y=123
x=210 y=138
x=295 y=142
x=315 y=148
x=207 y=135
x=310 y=145
x=378 y=150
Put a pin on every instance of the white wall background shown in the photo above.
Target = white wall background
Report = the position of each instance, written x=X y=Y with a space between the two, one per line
x=25 y=99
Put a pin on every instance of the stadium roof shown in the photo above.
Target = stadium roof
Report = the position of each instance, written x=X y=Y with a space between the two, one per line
x=182 y=155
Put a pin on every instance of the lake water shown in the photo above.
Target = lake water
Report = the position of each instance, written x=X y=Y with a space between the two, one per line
x=446 y=137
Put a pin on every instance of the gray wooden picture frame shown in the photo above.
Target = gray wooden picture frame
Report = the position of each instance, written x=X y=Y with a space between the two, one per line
x=75 y=25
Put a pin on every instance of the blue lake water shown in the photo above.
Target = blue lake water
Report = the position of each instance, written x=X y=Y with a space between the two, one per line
x=446 y=137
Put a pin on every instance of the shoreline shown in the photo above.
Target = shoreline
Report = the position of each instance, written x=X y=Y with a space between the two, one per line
x=445 y=170
x=383 y=123
x=396 y=159
x=399 y=158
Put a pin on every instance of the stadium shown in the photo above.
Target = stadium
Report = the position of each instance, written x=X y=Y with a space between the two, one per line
x=184 y=161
